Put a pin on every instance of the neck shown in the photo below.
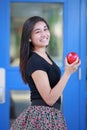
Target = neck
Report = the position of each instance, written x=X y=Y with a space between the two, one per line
x=40 y=51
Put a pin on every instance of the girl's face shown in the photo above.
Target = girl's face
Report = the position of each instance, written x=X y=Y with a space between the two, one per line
x=40 y=35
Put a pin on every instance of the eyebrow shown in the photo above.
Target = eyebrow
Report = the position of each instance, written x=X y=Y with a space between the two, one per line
x=39 y=28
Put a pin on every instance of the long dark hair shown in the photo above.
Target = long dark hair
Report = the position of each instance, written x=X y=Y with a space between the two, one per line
x=26 y=45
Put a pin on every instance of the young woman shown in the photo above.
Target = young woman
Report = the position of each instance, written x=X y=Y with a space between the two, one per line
x=43 y=77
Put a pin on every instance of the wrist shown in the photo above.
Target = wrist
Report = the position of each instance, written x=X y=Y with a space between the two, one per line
x=67 y=74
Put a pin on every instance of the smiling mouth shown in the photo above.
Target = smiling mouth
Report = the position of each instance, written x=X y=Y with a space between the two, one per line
x=44 y=39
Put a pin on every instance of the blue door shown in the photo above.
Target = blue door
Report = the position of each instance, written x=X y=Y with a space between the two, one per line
x=71 y=15
x=75 y=94
x=83 y=52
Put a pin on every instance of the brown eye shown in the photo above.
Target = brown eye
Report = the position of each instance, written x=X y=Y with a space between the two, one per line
x=46 y=29
x=37 y=32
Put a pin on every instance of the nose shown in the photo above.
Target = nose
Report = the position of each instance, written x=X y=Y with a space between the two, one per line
x=43 y=33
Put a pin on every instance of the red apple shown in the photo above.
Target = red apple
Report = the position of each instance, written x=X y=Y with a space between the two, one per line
x=71 y=57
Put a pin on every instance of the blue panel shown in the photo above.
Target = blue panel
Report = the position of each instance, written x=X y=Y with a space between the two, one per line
x=71 y=105
x=4 y=40
x=38 y=1
x=4 y=114
x=15 y=82
x=83 y=42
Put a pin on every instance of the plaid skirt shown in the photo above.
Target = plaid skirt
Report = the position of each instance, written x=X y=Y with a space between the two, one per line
x=40 y=118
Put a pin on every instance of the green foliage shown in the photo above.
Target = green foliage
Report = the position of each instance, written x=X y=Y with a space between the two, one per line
x=53 y=46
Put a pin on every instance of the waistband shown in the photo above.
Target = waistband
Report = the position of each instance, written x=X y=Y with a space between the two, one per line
x=39 y=102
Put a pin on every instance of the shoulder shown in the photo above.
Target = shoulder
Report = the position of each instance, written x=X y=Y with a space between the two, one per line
x=35 y=60
x=35 y=63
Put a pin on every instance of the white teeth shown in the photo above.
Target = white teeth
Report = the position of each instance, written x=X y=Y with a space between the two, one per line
x=45 y=39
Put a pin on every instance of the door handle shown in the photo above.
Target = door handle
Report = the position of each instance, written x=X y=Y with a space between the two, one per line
x=2 y=85
x=79 y=73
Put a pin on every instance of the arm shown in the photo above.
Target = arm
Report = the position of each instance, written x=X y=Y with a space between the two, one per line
x=50 y=96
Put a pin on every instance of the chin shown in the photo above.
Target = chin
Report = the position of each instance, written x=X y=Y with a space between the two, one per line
x=45 y=44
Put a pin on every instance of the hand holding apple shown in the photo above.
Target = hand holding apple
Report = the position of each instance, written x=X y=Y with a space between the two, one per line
x=72 y=57
x=72 y=62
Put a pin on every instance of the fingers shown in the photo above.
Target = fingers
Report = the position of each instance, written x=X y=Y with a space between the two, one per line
x=66 y=62
x=74 y=66
x=77 y=61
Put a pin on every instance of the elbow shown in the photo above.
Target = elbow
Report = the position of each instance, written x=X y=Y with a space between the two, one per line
x=49 y=102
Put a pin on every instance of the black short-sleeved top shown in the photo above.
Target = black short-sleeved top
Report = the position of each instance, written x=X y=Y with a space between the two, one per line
x=36 y=62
